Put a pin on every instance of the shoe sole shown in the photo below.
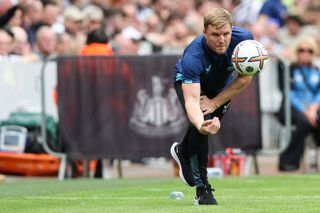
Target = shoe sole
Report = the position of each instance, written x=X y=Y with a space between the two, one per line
x=175 y=157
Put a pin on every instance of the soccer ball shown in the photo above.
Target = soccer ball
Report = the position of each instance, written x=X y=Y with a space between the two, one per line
x=249 y=57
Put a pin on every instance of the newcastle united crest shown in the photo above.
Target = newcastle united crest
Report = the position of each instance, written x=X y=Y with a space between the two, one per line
x=157 y=113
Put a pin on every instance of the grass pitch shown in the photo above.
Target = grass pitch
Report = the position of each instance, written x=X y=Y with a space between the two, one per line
x=290 y=193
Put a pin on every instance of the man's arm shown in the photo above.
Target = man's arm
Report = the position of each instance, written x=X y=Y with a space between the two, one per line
x=191 y=93
x=210 y=105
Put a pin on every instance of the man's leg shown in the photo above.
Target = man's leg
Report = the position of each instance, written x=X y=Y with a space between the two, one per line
x=290 y=158
x=197 y=145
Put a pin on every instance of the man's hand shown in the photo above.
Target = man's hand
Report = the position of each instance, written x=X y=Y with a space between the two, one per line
x=207 y=106
x=210 y=127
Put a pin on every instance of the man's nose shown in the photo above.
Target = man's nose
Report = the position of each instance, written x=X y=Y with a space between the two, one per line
x=221 y=38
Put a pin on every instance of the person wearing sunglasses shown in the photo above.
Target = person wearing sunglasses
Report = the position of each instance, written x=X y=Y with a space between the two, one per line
x=305 y=103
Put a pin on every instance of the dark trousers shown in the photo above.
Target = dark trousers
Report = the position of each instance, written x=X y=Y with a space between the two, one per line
x=290 y=158
x=195 y=145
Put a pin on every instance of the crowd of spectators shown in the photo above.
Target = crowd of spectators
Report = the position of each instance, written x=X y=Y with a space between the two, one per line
x=34 y=29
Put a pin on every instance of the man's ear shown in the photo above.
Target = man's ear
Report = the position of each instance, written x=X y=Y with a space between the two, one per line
x=204 y=30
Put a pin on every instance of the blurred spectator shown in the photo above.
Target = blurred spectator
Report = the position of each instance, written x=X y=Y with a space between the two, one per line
x=311 y=15
x=176 y=36
x=130 y=22
x=246 y=12
x=124 y=46
x=204 y=6
x=16 y=19
x=299 y=6
x=273 y=9
x=163 y=8
x=269 y=37
x=194 y=18
x=94 y=16
x=46 y=41
x=96 y=44
x=7 y=16
x=21 y=46
x=292 y=29
x=305 y=103
x=144 y=9
x=6 y=40
x=75 y=27
x=153 y=23
x=5 y=5
x=64 y=42
x=271 y=17
x=113 y=22
x=51 y=16
x=50 y=13
x=32 y=15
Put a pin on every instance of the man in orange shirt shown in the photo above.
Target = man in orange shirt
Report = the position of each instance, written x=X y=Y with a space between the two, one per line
x=96 y=44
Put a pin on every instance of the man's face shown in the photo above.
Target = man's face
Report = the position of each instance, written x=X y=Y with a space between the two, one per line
x=218 y=39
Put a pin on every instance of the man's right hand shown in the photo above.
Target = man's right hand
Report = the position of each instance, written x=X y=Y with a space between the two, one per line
x=210 y=127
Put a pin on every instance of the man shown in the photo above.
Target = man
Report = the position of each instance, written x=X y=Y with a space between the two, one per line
x=205 y=83
x=96 y=44
x=46 y=41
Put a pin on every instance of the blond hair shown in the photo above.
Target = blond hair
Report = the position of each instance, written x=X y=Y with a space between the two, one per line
x=310 y=41
x=217 y=17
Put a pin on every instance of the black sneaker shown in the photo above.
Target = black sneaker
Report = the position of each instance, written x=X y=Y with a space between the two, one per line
x=185 y=172
x=204 y=196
